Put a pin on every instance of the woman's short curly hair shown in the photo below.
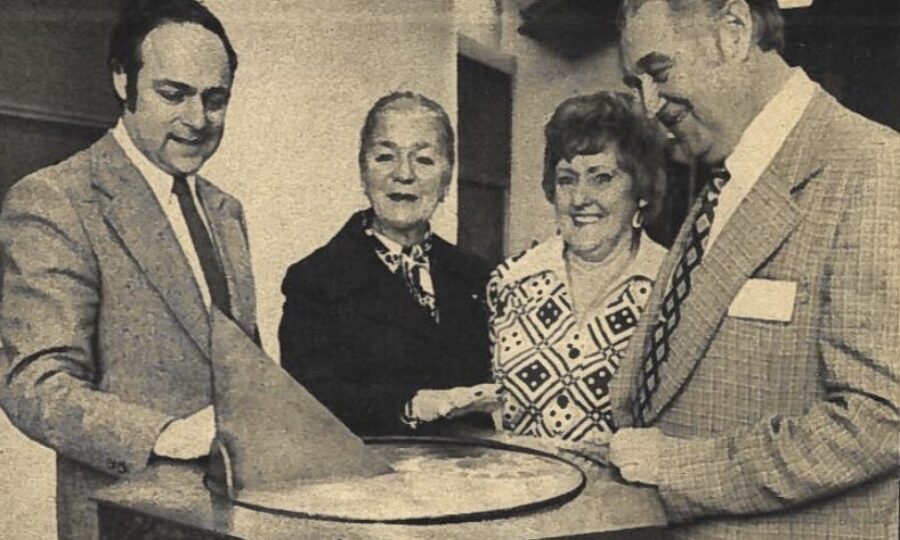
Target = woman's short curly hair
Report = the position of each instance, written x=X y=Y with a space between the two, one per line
x=585 y=125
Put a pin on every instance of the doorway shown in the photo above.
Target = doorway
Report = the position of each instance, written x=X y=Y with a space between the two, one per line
x=484 y=100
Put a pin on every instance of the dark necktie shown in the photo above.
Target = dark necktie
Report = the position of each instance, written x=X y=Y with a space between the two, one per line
x=677 y=293
x=206 y=252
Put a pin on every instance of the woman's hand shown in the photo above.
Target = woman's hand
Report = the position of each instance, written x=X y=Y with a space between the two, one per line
x=430 y=405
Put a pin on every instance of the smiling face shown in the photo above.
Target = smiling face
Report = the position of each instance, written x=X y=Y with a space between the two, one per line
x=594 y=204
x=182 y=94
x=674 y=61
x=405 y=167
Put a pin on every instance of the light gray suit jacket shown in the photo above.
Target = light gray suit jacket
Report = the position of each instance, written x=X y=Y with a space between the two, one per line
x=792 y=428
x=104 y=325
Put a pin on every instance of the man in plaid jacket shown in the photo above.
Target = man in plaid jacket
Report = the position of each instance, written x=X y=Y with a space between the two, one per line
x=762 y=386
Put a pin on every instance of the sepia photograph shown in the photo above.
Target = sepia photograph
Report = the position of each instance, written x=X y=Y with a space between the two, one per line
x=449 y=269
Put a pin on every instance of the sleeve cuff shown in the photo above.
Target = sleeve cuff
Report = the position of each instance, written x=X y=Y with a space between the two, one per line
x=407 y=418
x=688 y=477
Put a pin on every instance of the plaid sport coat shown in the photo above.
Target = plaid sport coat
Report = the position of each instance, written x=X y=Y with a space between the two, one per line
x=789 y=429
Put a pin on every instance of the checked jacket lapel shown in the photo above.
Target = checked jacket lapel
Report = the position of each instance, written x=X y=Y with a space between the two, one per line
x=760 y=225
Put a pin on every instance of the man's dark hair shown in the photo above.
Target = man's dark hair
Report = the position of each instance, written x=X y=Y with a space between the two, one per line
x=768 y=23
x=587 y=125
x=386 y=102
x=139 y=17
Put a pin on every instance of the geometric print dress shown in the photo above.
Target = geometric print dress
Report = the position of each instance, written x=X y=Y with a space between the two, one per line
x=555 y=370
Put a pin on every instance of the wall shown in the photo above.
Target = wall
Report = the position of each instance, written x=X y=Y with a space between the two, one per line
x=543 y=80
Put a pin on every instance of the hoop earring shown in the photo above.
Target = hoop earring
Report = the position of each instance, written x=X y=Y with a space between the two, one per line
x=638 y=220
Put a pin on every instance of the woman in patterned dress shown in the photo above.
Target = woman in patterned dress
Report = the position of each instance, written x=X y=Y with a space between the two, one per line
x=562 y=313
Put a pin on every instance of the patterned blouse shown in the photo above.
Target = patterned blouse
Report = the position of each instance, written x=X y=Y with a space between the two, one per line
x=555 y=369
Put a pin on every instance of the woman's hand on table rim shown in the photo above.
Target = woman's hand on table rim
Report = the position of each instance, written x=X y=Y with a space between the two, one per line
x=428 y=405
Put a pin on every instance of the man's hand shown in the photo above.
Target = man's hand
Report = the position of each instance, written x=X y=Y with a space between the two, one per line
x=636 y=454
x=187 y=438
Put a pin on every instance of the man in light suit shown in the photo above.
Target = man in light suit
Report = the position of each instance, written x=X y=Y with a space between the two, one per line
x=114 y=259
x=762 y=386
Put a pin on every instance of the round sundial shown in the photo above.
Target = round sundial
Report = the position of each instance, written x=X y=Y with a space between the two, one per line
x=432 y=480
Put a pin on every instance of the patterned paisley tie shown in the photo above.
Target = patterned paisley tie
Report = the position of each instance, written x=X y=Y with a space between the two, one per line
x=679 y=289
x=414 y=268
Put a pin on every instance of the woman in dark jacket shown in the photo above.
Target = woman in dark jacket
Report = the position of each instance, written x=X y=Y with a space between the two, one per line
x=386 y=307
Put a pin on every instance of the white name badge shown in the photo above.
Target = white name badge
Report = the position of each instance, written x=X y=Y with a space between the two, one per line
x=765 y=299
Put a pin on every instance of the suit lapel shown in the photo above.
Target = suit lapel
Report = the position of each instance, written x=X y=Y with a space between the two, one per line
x=626 y=379
x=759 y=226
x=230 y=240
x=136 y=217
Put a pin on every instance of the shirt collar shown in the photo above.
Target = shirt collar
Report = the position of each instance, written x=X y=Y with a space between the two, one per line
x=160 y=181
x=550 y=255
x=768 y=131
x=393 y=246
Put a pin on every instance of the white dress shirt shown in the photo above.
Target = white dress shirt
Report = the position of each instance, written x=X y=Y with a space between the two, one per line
x=759 y=144
x=161 y=184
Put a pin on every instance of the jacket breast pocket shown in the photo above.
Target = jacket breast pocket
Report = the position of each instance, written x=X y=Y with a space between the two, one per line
x=770 y=300
x=771 y=305
x=769 y=320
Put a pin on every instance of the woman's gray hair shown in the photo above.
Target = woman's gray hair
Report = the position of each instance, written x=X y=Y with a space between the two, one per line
x=384 y=103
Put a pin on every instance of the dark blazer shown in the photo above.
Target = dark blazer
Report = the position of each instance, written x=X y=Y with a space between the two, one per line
x=104 y=327
x=353 y=335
